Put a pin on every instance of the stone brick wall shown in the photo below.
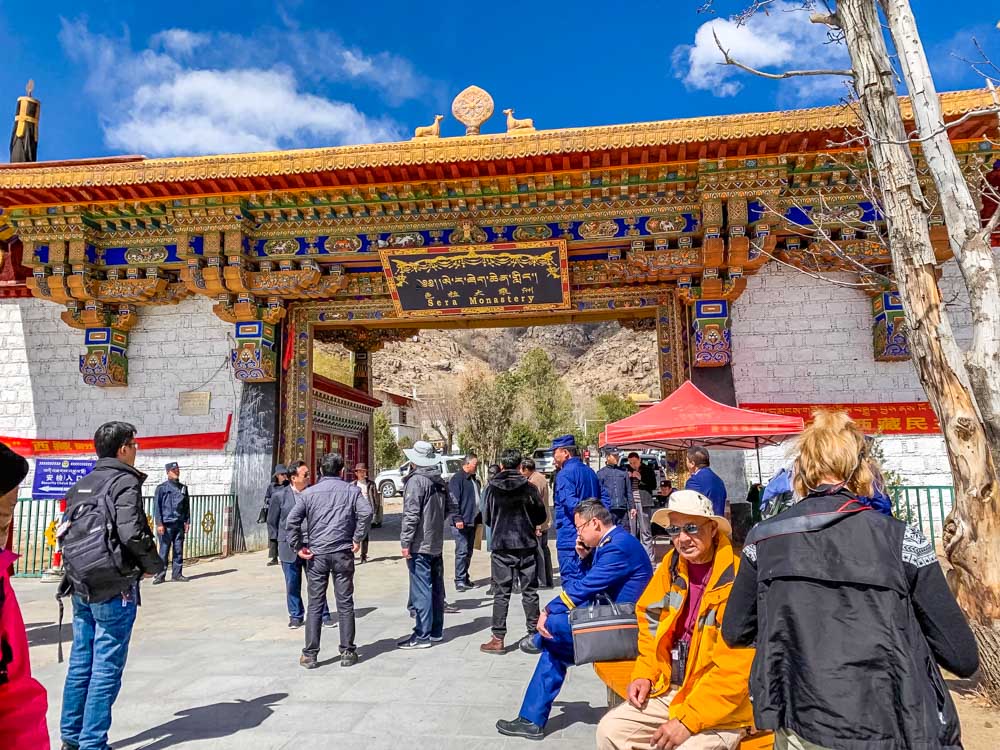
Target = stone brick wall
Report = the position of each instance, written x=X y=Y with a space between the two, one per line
x=797 y=339
x=172 y=349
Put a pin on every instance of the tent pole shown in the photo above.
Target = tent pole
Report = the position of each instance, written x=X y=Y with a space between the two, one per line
x=756 y=445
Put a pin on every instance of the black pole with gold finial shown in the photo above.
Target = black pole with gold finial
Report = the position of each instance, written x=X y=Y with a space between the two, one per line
x=24 y=137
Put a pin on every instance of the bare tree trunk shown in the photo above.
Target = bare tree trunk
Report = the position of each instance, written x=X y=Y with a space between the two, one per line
x=974 y=549
x=965 y=232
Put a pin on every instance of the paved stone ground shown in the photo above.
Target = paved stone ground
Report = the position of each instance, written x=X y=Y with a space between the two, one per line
x=213 y=665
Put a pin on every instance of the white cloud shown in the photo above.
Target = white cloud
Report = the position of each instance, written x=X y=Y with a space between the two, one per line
x=780 y=40
x=158 y=102
x=179 y=41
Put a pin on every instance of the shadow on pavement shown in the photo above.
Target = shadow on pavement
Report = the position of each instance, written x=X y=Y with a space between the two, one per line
x=207 y=722
x=45 y=634
x=384 y=646
x=575 y=712
x=212 y=574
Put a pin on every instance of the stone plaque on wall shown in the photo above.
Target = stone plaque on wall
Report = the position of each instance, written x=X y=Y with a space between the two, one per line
x=194 y=403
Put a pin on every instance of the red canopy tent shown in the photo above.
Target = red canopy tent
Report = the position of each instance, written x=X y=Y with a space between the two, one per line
x=688 y=417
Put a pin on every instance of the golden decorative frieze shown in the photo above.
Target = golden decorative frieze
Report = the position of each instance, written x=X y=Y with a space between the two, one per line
x=483 y=148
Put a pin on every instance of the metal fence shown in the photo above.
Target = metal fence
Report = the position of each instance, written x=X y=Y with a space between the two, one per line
x=924 y=507
x=35 y=524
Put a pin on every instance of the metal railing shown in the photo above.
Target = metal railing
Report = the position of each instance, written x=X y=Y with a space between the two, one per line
x=35 y=524
x=924 y=507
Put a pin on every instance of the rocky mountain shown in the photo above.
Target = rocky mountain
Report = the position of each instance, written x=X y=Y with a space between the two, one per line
x=591 y=358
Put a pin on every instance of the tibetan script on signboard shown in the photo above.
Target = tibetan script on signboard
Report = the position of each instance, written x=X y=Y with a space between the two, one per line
x=478 y=279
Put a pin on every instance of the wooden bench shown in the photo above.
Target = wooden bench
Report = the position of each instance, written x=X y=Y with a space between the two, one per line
x=616 y=675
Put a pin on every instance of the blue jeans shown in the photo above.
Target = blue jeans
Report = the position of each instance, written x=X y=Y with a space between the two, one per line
x=101 y=633
x=427 y=594
x=293 y=590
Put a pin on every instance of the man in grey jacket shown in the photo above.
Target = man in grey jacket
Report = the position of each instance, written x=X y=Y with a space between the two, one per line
x=427 y=505
x=337 y=516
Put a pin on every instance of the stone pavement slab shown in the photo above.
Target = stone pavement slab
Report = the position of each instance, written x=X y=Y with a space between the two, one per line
x=213 y=664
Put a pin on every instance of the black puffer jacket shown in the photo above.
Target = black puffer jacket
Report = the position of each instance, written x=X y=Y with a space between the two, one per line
x=138 y=548
x=851 y=615
x=512 y=508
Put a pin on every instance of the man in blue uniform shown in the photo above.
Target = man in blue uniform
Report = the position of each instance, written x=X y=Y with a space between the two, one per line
x=702 y=479
x=614 y=564
x=172 y=510
x=575 y=482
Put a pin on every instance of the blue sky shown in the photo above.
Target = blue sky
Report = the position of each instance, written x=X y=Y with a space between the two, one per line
x=216 y=76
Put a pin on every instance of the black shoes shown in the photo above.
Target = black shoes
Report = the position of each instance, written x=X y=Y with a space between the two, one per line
x=413 y=642
x=349 y=658
x=520 y=728
x=157 y=580
x=67 y=746
x=461 y=587
x=295 y=622
x=309 y=662
x=272 y=562
x=451 y=609
x=529 y=646
x=180 y=578
x=329 y=623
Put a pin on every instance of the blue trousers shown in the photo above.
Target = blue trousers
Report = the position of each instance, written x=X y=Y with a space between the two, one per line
x=101 y=634
x=569 y=564
x=172 y=539
x=550 y=672
x=293 y=590
x=427 y=594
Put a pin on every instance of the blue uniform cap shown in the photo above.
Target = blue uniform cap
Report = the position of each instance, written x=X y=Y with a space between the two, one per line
x=564 y=441
x=173 y=465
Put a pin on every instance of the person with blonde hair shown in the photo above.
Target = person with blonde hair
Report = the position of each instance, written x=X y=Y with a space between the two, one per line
x=849 y=612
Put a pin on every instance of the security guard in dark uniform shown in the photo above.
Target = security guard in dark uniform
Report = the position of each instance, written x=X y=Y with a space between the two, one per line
x=172 y=510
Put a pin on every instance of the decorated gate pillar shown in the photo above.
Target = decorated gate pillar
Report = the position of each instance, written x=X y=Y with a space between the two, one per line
x=712 y=345
x=671 y=344
x=889 y=328
x=255 y=358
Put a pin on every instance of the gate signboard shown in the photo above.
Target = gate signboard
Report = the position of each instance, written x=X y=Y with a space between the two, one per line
x=54 y=476
x=508 y=277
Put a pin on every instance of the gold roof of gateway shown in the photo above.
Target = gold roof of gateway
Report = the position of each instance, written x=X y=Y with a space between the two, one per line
x=44 y=176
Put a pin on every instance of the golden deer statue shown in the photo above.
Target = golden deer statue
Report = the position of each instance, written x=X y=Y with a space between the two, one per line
x=515 y=125
x=429 y=131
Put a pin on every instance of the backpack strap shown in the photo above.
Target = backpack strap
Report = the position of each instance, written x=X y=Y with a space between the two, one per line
x=803 y=524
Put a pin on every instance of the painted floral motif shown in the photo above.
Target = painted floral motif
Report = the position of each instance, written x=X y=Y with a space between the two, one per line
x=139 y=255
x=285 y=246
x=590 y=230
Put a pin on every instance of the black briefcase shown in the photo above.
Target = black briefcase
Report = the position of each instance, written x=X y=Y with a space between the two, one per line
x=604 y=632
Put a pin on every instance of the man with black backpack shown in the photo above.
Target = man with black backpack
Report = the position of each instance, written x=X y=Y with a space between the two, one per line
x=107 y=548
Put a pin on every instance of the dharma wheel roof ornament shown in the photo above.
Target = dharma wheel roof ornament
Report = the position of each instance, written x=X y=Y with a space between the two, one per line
x=472 y=107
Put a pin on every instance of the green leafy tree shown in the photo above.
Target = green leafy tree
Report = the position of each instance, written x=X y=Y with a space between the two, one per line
x=610 y=408
x=523 y=437
x=488 y=404
x=387 y=453
x=544 y=397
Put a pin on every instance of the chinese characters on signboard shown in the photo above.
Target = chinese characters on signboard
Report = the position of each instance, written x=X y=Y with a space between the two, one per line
x=511 y=277
x=913 y=418
x=54 y=476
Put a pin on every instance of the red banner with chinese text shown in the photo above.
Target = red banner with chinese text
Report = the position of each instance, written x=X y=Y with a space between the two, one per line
x=910 y=418
x=202 y=441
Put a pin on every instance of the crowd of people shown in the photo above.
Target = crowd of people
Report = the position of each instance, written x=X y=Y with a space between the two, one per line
x=826 y=628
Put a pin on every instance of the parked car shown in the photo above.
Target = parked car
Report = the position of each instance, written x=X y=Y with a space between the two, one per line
x=390 y=481
x=544 y=461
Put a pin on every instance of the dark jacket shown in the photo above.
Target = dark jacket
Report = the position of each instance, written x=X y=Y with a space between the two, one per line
x=427 y=505
x=512 y=509
x=335 y=512
x=616 y=483
x=647 y=477
x=709 y=484
x=171 y=503
x=851 y=615
x=282 y=501
x=138 y=548
x=464 y=490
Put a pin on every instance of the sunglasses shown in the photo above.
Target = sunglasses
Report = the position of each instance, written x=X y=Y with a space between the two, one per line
x=691 y=529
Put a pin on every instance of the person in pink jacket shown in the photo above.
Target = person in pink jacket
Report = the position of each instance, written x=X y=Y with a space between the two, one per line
x=23 y=702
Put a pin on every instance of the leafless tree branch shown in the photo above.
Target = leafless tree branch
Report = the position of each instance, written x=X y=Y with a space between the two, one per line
x=729 y=60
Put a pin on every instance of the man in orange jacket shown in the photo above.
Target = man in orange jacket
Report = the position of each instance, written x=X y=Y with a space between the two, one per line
x=689 y=690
